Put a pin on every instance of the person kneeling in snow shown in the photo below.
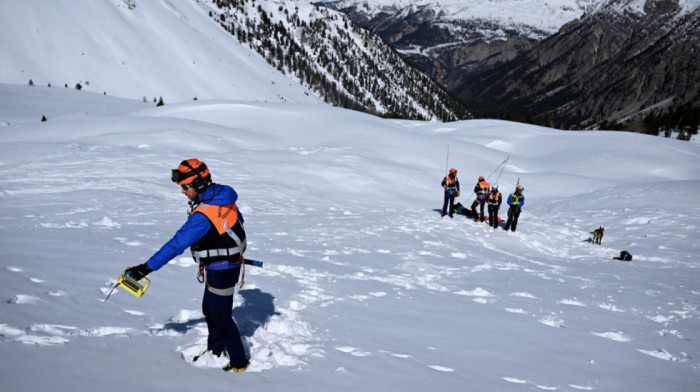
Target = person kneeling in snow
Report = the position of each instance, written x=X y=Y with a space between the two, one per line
x=214 y=232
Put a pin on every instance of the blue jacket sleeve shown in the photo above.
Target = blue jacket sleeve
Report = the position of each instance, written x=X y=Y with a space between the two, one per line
x=192 y=231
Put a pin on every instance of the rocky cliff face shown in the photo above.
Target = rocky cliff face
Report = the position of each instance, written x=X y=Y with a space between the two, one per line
x=445 y=39
x=618 y=59
x=614 y=63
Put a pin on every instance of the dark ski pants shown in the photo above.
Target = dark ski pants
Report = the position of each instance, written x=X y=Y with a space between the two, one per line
x=449 y=198
x=474 y=204
x=512 y=222
x=493 y=216
x=217 y=306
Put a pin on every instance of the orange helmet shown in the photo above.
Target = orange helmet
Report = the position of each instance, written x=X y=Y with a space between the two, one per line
x=481 y=178
x=453 y=171
x=192 y=171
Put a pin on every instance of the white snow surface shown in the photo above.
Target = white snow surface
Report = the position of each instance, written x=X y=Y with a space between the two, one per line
x=135 y=49
x=365 y=286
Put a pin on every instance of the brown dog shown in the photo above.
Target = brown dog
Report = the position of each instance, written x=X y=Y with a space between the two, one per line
x=598 y=235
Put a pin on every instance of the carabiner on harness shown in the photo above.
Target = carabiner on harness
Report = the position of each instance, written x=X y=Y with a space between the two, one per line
x=200 y=273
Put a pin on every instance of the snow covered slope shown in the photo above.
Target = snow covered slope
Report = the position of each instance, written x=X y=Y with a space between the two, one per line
x=135 y=49
x=364 y=287
x=533 y=18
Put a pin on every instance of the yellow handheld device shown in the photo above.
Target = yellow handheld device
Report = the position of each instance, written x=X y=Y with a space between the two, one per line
x=135 y=287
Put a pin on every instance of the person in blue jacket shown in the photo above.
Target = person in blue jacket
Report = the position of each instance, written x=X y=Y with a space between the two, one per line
x=215 y=235
x=516 y=201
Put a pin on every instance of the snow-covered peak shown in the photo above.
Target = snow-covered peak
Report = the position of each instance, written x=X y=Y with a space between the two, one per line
x=543 y=15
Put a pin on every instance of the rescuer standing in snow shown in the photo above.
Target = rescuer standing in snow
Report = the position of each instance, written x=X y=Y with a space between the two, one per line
x=214 y=232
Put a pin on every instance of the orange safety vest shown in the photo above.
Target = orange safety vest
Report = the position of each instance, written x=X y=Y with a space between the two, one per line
x=493 y=198
x=483 y=189
x=231 y=242
x=450 y=182
x=223 y=217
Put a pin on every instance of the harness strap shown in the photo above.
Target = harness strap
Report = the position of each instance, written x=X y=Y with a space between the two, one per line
x=218 y=252
x=222 y=292
x=242 y=276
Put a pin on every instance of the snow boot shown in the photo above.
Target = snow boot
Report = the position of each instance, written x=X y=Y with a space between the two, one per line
x=230 y=368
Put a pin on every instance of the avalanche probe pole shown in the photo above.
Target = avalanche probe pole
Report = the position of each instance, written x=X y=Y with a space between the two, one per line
x=447 y=162
x=503 y=168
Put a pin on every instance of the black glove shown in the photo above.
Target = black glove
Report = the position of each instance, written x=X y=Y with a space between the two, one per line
x=138 y=271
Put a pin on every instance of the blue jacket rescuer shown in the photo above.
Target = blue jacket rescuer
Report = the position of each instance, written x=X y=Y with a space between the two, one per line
x=215 y=235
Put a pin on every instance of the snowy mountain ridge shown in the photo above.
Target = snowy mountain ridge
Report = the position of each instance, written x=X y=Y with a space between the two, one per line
x=534 y=60
x=533 y=18
x=186 y=49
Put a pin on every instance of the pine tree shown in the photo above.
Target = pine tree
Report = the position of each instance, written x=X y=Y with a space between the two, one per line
x=160 y=102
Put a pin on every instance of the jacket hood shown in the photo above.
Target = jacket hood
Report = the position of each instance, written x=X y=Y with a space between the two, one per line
x=218 y=195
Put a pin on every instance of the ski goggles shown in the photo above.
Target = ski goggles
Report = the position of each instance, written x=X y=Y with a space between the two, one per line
x=178 y=176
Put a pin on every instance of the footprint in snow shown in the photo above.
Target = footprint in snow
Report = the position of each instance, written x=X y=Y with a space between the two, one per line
x=353 y=351
x=552 y=321
x=57 y=293
x=610 y=307
x=614 y=336
x=479 y=295
x=22 y=299
x=581 y=387
x=572 y=302
x=273 y=337
x=515 y=380
x=55 y=334
x=441 y=368
x=127 y=242
x=661 y=354
x=523 y=295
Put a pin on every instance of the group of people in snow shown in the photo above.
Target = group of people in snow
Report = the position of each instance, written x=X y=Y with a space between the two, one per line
x=486 y=195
